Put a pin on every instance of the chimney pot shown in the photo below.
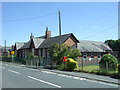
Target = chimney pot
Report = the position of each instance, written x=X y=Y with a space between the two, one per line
x=48 y=33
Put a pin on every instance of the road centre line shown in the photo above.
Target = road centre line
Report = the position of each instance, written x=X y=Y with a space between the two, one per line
x=45 y=82
x=13 y=71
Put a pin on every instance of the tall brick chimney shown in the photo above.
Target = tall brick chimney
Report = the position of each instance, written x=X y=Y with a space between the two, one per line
x=31 y=37
x=47 y=33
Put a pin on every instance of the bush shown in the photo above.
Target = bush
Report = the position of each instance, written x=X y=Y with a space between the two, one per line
x=108 y=62
x=102 y=72
x=71 y=64
x=60 y=67
x=119 y=68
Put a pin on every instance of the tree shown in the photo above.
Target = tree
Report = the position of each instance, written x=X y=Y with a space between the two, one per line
x=113 y=44
x=57 y=52
x=54 y=52
x=108 y=62
x=74 y=53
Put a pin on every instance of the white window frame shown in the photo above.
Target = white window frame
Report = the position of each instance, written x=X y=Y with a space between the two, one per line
x=99 y=55
x=92 y=56
x=84 y=56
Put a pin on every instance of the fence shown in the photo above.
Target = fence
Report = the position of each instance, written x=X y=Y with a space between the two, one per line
x=88 y=61
x=29 y=62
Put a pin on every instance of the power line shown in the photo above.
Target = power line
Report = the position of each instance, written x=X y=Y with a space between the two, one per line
x=100 y=32
x=106 y=14
x=29 y=18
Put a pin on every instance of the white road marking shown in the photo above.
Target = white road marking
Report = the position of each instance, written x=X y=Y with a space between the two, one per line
x=76 y=77
x=63 y=75
x=2 y=67
x=13 y=71
x=48 y=72
x=45 y=82
x=32 y=69
x=101 y=82
x=109 y=84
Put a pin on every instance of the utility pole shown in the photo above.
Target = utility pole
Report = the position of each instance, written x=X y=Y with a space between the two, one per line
x=59 y=23
x=59 y=14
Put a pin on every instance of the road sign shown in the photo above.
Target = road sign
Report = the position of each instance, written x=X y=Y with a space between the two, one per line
x=12 y=52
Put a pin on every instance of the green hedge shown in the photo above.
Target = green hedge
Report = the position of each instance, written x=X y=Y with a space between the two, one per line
x=119 y=68
x=108 y=62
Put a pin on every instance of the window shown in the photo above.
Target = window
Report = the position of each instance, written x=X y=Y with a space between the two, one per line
x=85 y=56
x=92 y=56
x=44 y=53
x=23 y=54
x=33 y=51
x=99 y=55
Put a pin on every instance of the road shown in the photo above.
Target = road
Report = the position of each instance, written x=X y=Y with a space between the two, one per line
x=16 y=76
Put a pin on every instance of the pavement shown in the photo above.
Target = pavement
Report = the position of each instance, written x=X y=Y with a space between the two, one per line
x=18 y=76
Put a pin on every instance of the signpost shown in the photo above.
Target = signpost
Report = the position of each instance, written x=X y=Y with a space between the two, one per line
x=12 y=52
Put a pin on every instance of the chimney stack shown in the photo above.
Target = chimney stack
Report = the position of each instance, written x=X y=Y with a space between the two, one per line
x=31 y=37
x=48 y=33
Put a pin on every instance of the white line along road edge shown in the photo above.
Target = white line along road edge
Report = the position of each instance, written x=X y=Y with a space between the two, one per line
x=13 y=71
x=45 y=82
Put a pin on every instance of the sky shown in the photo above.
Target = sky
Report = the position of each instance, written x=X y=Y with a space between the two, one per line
x=95 y=21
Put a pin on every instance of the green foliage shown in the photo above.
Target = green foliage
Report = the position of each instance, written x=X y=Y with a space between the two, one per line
x=30 y=55
x=74 y=53
x=113 y=44
x=71 y=64
x=102 y=72
x=54 y=52
x=60 y=67
x=108 y=62
x=57 y=52
x=119 y=68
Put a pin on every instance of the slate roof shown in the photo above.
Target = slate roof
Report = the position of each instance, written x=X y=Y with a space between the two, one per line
x=92 y=46
x=37 y=42
x=26 y=45
x=58 y=39
x=19 y=45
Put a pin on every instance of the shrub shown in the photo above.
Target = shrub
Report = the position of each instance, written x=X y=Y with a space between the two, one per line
x=108 y=62
x=60 y=67
x=102 y=72
x=119 y=68
x=71 y=64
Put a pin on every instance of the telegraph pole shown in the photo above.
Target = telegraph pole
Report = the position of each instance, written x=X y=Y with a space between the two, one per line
x=59 y=23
